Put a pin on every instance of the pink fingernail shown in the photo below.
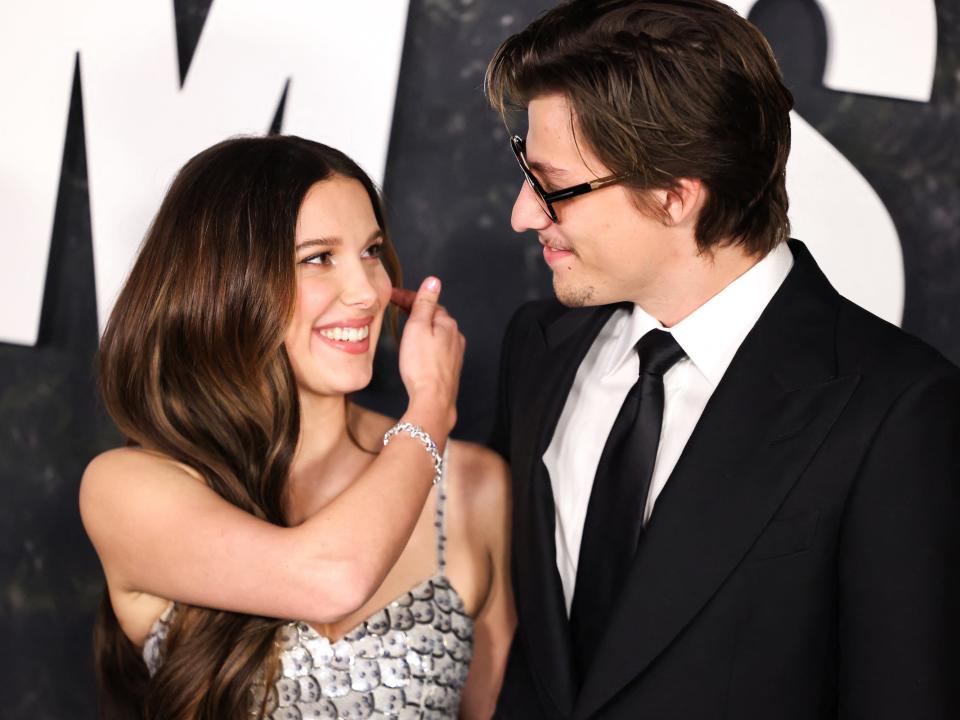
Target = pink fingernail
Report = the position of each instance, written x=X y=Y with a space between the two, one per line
x=433 y=284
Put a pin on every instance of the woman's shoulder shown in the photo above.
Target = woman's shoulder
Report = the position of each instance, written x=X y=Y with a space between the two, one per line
x=128 y=474
x=481 y=478
x=126 y=464
x=479 y=465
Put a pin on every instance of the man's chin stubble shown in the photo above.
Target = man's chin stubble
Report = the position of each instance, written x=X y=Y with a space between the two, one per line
x=573 y=297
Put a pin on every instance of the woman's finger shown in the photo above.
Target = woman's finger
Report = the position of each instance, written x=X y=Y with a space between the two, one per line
x=425 y=303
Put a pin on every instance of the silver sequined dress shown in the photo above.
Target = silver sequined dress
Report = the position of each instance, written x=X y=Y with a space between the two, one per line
x=407 y=660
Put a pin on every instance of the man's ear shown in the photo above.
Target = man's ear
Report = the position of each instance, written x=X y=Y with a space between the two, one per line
x=681 y=204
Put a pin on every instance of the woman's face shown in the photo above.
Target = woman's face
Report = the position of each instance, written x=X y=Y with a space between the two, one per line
x=342 y=289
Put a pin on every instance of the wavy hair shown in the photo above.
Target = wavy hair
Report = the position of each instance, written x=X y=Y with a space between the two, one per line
x=192 y=365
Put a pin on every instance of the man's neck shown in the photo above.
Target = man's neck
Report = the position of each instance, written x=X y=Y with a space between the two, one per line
x=692 y=280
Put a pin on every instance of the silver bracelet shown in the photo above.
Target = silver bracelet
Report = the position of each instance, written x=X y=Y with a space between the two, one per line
x=418 y=433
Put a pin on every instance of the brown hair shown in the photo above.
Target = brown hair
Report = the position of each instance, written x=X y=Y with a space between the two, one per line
x=663 y=90
x=192 y=364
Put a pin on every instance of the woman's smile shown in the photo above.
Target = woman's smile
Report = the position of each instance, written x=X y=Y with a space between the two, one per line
x=350 y=336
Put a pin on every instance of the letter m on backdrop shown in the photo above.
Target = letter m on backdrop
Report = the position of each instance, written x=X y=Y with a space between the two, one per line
x=338 y=60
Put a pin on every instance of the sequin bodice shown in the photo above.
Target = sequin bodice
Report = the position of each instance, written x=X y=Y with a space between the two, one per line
x=407 y=660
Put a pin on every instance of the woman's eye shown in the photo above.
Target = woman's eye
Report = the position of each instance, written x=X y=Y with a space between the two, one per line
x=318 y=259
x=374 y=251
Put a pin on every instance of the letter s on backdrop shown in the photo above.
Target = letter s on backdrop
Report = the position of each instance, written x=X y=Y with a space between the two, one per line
x=886 y=48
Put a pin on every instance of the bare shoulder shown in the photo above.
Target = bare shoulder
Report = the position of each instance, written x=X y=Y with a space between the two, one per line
x=129 y=465
x=123 y=458
x=481 y=478
x=118 y=477
x=480 y=463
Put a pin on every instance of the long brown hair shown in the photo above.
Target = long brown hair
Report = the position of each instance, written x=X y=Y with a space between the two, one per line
x=192 y=365
x=662 y=90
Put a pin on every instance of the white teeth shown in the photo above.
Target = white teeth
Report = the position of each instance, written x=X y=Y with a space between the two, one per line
x=345 y=334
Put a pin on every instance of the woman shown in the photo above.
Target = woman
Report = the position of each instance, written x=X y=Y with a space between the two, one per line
x=267 y=552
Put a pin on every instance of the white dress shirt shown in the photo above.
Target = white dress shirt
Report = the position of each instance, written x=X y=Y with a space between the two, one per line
x=710 y=336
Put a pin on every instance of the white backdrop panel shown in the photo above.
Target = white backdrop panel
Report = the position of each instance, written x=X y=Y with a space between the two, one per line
x=342 y=61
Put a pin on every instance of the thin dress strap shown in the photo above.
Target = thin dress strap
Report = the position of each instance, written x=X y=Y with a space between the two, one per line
x=439 y=523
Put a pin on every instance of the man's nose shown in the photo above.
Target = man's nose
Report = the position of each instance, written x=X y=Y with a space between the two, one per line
x=527 y=213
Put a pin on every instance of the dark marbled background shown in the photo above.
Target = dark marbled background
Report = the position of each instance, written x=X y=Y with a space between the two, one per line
x=450 y=183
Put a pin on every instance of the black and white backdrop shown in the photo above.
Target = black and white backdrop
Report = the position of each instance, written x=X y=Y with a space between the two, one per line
x=102 y=101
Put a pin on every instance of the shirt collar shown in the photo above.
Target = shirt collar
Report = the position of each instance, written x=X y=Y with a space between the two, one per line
x=625 y=331
x=711 y=334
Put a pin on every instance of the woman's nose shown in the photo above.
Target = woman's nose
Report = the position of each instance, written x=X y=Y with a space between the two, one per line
x=358 y=289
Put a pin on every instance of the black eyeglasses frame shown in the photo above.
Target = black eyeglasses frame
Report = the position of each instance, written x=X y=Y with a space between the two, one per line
x=547 y=199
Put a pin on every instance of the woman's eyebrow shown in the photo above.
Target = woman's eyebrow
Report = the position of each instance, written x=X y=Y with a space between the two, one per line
x=323 y=242
x=334 y=241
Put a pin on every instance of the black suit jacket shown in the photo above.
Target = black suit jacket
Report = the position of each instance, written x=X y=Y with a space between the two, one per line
x=802 y=561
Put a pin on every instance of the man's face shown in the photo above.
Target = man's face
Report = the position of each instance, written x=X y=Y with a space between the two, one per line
x=602 y=249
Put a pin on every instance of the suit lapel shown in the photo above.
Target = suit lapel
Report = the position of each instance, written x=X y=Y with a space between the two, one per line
x=563 y=343
x=768 y=416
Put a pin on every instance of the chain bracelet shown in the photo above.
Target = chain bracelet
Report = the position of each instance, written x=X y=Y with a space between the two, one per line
x=418 y=433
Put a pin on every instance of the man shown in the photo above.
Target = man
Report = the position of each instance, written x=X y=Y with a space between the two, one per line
x=736 y=494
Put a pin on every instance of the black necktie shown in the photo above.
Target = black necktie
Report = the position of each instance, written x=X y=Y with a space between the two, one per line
x=615 y=512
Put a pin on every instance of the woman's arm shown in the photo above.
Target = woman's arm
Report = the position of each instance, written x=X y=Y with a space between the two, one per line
x=495 y=623
x=159 y=529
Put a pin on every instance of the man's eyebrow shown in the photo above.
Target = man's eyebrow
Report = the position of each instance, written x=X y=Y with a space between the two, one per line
x=547 y=169
x=334 y=241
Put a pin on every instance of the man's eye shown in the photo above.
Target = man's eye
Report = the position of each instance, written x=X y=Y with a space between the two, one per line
x=318 y=259
x=547 y=185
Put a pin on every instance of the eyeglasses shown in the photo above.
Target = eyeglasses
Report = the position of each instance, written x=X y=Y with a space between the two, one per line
x=547 y=199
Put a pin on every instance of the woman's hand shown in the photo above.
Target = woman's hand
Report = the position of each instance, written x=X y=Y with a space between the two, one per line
x=431 y=357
